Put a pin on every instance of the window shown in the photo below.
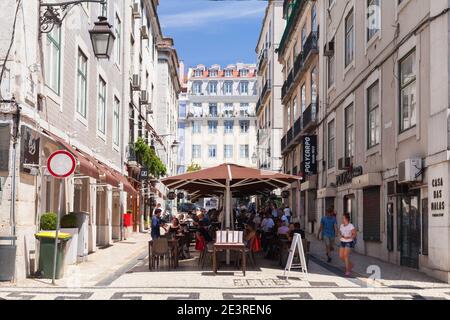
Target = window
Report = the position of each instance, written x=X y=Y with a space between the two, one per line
x=53 y=60
x=331 y=69
x=196 y=151
x=314 y=27
x=349 y=37
x=244 y=151
x=82 y=84
x=303 y=35
x=117 y=42
x=295 y=108
x=228 y=126
x=303 y=96
x=228 y=73
x=349 y=128
x=196 y=127
x=245 y=124
x=212 y=87
x=331 y=144
x=101 y=105
x=228 y=109
x=212 y=151
x=373 y=18
x=244 y=110
x=243 y=72
x=373 y=112
x=228 y=151
x=198 y=110
x=228 y=86
x=314 y=77
x=213 y=110
x=116 y=122
x=198 y=73
x=212 y=127
x=288 y=114
x=213 y=73
x=408 y=112
x=197 y=87
x=243 y=87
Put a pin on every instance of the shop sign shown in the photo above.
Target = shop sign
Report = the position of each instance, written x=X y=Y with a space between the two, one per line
x=29 y=150
x=144 y=174
x=347 y=177
x=309 y=163
x=437 y=204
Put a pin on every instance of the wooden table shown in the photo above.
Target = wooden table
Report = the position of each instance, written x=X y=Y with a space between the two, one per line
x=232 y=247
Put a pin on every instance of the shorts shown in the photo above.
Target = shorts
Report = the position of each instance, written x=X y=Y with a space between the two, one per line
x=329 y=241
x=349 y=245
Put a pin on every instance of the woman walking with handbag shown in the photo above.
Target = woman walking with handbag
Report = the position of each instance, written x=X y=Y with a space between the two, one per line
x=348 y=237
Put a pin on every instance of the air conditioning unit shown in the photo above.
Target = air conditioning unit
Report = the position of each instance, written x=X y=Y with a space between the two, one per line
x=136 y=82
x=344 y=163
x=136 y=11
x=144 y=97
x=144 y=32
x=329 y=49
x=410 y=170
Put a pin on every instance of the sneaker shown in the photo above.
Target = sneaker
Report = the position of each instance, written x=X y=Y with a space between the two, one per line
x=348 y=274
x=329 y=259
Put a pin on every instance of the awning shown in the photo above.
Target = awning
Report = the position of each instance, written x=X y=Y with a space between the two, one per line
x=126 y=184
x=85 y=166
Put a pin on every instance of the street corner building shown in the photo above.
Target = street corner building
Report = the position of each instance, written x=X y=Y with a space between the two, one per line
x=58 y=92
x=366 y=86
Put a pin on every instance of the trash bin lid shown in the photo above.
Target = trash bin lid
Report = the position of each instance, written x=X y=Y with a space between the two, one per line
x=52 y=235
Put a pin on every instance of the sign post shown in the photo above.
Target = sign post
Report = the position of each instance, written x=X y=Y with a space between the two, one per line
x=61 y=164
x=296 y=244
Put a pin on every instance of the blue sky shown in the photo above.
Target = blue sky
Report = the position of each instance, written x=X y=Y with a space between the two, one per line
x=210 y=32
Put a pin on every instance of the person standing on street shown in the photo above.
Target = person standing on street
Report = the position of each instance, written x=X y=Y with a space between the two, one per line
x=287 y=213
x=328 y=230
x=348 y=238
x=156 y=225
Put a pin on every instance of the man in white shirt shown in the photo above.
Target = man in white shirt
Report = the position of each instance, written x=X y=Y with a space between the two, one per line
x=287 y=213
x=267 y=223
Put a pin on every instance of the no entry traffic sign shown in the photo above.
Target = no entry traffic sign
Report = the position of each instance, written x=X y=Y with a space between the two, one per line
x=61 y=164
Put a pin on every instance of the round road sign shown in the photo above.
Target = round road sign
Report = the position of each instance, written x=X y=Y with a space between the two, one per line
x=61 y=164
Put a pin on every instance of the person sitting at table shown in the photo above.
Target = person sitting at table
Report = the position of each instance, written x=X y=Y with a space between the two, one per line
x=175 y=227
x=283 y=229
x=296 y=229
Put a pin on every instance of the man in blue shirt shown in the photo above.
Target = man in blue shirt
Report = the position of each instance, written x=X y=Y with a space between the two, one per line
x=328 y=230
x=156 y=224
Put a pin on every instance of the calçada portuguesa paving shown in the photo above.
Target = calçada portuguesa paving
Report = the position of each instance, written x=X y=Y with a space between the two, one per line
x=121 y=272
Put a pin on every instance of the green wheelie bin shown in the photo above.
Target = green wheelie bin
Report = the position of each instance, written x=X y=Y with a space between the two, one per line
x=47 y=251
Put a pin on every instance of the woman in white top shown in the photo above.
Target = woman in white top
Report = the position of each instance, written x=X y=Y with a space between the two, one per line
x=348 y=236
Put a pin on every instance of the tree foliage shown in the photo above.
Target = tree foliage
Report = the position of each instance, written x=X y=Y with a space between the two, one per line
x=194 y=167
x=147 y=157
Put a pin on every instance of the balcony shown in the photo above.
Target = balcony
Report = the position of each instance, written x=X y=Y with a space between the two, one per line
x=266 y=91
x=309 y=117
x=311 y=46
x=132 y=159
x=262 y=61
x=291 y=23
x=287 y=86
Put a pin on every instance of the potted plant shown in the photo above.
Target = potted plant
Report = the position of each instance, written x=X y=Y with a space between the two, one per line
x=69 y=225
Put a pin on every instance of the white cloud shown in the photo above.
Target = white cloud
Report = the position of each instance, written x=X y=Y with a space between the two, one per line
x=200 y=18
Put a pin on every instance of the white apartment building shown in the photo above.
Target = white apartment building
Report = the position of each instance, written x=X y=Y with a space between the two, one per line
x=166 y=111
x=269 y=108
x=220 y=124
x=58 y=95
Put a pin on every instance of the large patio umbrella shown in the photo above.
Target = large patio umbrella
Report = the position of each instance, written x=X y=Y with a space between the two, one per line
x=229 y=180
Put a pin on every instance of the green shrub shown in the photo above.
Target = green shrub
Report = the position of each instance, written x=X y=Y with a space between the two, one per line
x=48 y=221
x=69 y=221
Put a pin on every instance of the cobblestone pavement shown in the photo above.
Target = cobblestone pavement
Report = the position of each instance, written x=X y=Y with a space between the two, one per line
x=130 y=279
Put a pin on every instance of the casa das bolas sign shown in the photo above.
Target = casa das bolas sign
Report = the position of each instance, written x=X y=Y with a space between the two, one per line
x=309 y=161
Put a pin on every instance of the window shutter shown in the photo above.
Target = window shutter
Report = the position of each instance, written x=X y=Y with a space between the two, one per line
x=371 y=214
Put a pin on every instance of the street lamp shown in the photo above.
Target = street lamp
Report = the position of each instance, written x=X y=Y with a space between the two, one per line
x=102 y=36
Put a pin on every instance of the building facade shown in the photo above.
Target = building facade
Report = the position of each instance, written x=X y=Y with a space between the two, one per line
x=269 y=109
x=220 y=124
x=298 y=52
x=55 y=94
x=383 y=128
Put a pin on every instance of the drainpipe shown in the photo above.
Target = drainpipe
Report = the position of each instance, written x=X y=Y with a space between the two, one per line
x=16 y=122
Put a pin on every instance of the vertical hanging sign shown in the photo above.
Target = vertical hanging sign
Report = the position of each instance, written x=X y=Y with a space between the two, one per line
x=309 y=161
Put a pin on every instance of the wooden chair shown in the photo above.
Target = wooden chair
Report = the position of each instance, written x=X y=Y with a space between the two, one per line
x=160 y=249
